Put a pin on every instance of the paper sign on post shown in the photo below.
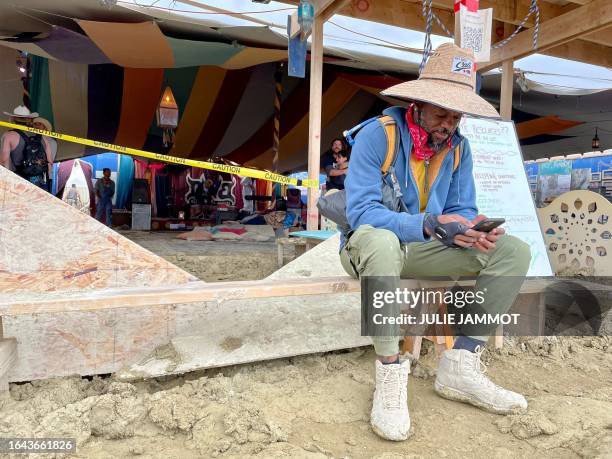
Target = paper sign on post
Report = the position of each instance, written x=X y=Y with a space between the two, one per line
x=475 y=31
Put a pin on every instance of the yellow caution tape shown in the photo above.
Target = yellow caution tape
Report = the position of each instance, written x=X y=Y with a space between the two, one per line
x=228 y=169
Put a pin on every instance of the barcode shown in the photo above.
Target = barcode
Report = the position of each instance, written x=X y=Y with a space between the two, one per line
x=472 y=38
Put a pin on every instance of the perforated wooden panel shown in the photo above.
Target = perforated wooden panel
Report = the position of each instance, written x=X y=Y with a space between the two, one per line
x=578 y=233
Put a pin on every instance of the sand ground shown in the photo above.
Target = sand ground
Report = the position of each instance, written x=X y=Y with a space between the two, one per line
x=318 y=406
x=211 y=261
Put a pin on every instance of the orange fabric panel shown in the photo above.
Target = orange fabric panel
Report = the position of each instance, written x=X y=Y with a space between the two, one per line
x=335 y=98
x=141 y=94
x=140 y=45
x=543 y=125
x=249 y=57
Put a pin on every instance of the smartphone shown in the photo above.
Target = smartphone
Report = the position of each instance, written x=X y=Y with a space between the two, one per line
x=488 y=224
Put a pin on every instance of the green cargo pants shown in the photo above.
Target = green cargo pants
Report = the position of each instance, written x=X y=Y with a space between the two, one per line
x=378 y=252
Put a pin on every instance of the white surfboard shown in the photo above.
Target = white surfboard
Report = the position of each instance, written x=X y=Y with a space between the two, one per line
x=76 y=191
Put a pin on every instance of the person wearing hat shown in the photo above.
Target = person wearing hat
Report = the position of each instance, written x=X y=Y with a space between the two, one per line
x=45 y=125
x=433 y=237
x=25 y=153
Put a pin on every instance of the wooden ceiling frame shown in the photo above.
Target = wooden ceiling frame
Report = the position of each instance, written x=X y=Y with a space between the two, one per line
x=592 y=47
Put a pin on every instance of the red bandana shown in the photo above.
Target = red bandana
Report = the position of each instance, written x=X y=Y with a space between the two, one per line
x=420 y=149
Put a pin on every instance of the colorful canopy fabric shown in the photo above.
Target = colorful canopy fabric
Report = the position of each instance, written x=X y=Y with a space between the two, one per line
x=223 y=112
x=69 y=46
x=131 y=45
x=141 y=45
x=544 y=125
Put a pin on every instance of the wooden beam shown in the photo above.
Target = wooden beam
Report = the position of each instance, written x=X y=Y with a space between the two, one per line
x=507 y=84
x=510 y=11
x=314 y=122
x=332 y=8
x=401 y=14
x=554 y=32
x=583 y=51
x=321 y=5
x=325 y=10
x=220 y=292
x=514 y=11
x=408 y=15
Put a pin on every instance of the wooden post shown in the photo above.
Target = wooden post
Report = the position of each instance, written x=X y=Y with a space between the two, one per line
x=314 y=121
x=507 y=83
x=457 y=28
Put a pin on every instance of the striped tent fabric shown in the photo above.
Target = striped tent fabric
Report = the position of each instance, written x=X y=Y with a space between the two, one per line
x=140 y=45
x=105 y=84
x=223 y=113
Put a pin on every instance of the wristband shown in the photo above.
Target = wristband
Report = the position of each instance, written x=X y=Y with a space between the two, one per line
x=444 y=232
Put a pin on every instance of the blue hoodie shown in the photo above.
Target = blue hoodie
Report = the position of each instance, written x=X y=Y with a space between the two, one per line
x=452 y=192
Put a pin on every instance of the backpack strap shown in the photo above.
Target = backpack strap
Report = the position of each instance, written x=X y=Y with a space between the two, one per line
x=22 y=135
x=458 y=151
x=390 y=127
x=457 y=156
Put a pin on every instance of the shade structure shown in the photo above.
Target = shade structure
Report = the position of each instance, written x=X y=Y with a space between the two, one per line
x=223 y=113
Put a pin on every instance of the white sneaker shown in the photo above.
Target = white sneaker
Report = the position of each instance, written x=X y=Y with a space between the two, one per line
x=390 y=418
x=461 y=377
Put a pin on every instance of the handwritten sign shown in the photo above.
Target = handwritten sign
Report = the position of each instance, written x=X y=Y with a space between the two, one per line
x=501 y=185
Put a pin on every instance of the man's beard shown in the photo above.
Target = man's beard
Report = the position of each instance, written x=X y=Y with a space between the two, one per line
x=431 y=143
x=438 y=146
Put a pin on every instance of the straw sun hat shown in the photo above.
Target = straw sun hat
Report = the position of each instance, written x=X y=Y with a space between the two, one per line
x=45 y=122
x=448 y=81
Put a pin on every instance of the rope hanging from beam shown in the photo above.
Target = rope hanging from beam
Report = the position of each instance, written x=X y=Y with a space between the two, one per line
x=430 y=16
x=533 y=8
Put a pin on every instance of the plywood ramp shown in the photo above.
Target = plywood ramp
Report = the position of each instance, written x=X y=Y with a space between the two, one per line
x=81 y=299
x=243 y=331
x=49 y=246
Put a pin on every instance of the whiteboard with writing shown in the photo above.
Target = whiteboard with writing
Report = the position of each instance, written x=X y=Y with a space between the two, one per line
x=502 y=189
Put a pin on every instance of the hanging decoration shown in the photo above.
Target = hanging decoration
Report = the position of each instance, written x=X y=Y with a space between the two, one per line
x=595 y=142
x=168 y=116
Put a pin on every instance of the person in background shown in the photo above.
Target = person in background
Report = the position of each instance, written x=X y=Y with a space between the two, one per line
x=329 y=158
x=73 y=197
x=25 y=153
x=105 y=190
x=45 y=125
x=338 y=173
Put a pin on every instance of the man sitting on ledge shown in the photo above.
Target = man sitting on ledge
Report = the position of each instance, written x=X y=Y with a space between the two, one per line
x=432 y=236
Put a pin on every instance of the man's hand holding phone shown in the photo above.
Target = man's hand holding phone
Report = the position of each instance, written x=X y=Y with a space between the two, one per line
x=482 y=234
x=485 y=240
